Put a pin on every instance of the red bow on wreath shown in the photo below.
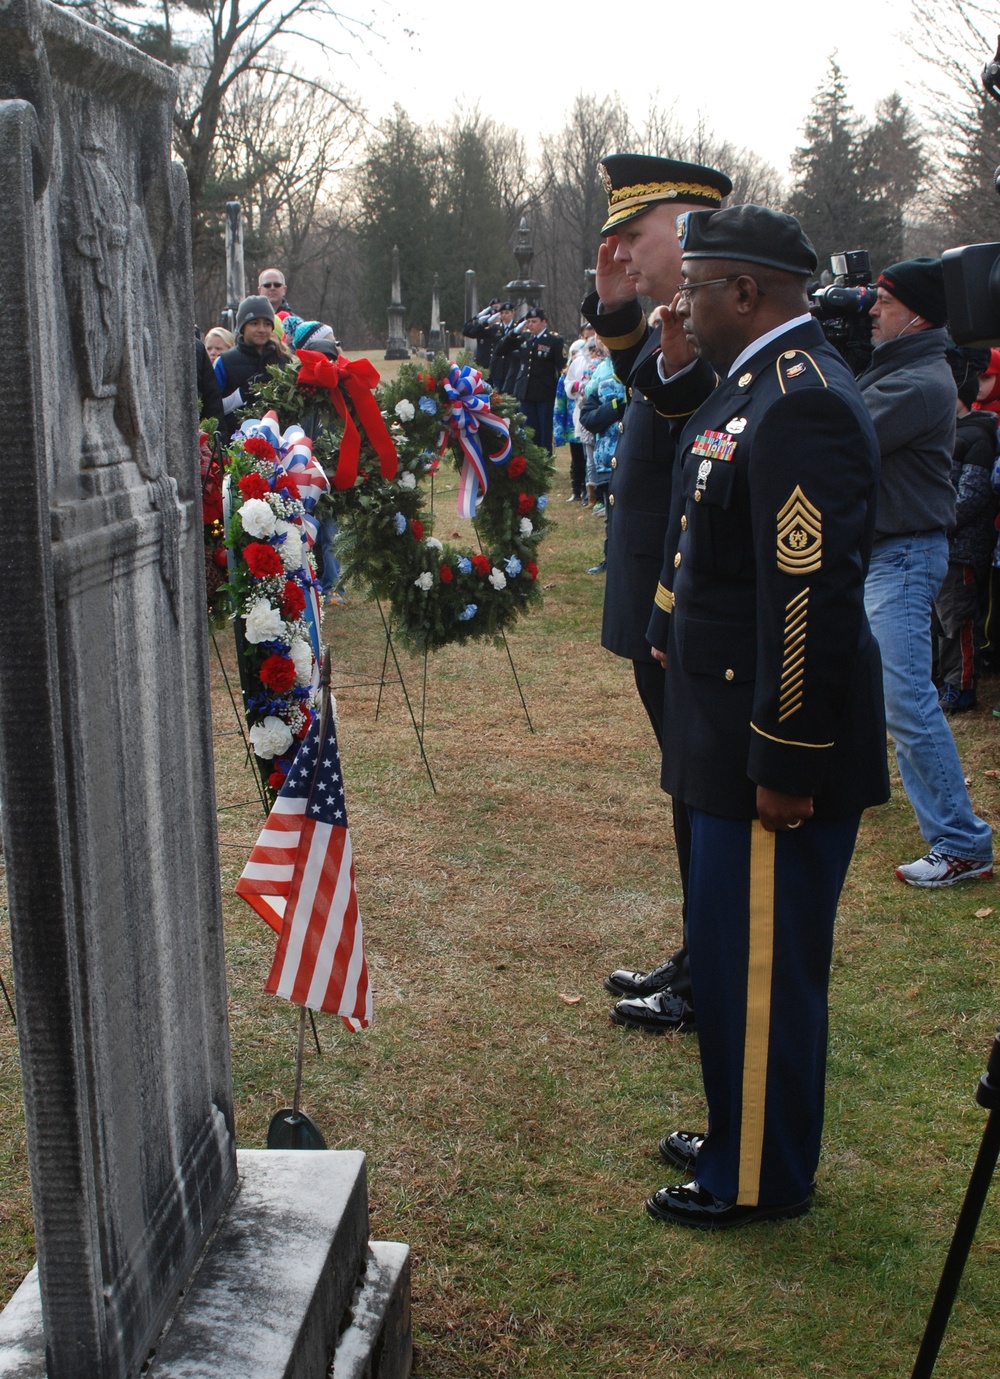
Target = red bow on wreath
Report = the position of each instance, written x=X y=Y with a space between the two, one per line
x=357 y=378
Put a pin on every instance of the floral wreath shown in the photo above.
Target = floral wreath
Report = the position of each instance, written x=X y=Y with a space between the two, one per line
x=272 y=485
x=376 y=451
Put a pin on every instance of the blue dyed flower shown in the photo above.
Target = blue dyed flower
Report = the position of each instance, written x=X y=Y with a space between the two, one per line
x=469 y=611
x=513 y=566
x=428 y=405
x=542 y=502
x=465 y=568
x=399 y=523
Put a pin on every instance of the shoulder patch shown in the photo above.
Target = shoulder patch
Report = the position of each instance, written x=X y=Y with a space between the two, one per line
x=800 y=535
x=796 y=367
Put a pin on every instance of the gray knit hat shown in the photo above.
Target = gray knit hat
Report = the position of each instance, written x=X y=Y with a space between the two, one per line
x=253 y=309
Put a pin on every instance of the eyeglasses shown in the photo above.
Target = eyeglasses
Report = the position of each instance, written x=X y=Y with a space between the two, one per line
x=685 y=289
x=272 y=284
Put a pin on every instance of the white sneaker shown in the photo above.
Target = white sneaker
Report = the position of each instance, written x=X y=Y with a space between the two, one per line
x=936 y=869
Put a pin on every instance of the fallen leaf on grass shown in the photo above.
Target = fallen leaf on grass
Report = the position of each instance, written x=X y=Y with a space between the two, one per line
x=992 y=775
x=569 y=1000
x=984 y=913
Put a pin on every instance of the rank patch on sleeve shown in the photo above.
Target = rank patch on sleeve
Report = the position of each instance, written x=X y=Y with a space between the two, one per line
x=794 y=659
x=800 y=535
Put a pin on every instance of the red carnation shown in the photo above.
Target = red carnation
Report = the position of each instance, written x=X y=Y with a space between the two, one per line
x=430 y=383
x=257 y=445
x=276 y=780
x=221 y=557
x=517 y=466
x=278 y=673
x=525 y=504
x=418 y=530
x=262 y=560
x=445 y=573
x=532 y=569
x=293 y=601
x=480 y=564
x=253 y=486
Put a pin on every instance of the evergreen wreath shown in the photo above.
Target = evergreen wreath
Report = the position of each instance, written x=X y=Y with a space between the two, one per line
x=438 y=591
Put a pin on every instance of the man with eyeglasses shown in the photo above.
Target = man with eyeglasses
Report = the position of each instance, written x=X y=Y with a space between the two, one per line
x=774 y=699
x=271 y=284
x=641 y=256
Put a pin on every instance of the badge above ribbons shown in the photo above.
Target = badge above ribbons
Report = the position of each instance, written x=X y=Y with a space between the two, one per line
x=800 y=535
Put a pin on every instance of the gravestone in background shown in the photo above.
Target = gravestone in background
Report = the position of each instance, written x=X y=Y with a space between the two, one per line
x=107 y=787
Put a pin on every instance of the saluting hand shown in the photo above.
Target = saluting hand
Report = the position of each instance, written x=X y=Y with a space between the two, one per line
x=612 y=282
x=675 y=346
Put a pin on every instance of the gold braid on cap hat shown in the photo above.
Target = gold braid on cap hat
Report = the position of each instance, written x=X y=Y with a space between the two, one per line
x=626 y=197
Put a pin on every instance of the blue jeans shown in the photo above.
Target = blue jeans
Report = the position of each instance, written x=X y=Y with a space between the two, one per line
x=905 y=575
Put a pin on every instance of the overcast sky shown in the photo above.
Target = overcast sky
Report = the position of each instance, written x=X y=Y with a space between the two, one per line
x=751 y=68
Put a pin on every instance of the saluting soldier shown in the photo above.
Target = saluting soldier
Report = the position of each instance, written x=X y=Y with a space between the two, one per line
x=486 y=329
x=774 y=700
x=641 y=256
x=540 y=360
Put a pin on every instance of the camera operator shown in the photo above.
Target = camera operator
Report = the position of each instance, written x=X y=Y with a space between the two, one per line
x=910 y=394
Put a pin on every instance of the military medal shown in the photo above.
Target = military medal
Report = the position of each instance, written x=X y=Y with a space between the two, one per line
x=704 y=470
x=715 y=445
x=736 y=426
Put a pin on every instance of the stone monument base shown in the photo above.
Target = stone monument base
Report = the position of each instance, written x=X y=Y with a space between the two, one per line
x=288 y=1286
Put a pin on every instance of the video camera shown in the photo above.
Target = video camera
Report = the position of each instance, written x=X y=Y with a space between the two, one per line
x=842 y=308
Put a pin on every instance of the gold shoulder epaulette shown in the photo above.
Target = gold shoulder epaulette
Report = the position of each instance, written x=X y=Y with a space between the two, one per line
x=798 y=367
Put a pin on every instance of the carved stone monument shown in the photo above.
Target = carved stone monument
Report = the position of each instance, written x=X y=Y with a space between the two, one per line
x=436 y=340
x=106 y=777
x=524 y=291
x=396 y=348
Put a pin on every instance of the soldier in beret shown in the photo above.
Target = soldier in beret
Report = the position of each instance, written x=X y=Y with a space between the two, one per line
x=641 y=255
x=776 y=737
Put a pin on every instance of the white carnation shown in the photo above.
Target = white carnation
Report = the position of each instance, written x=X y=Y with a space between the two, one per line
x=498 y=579
x=405 y=409
x=433 y=544
x=406 y=479
x=301 y=653
x=526 y=528
x=257 y=518
x=262 y=623
x=291 y=549
x=270 y=738
x=424 y=581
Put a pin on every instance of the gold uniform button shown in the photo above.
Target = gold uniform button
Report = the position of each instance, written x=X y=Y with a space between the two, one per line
x=611 y=500
x=677 y=560
x=684 y=522
x=730 y=674
x=697 y=495
x=614 y=461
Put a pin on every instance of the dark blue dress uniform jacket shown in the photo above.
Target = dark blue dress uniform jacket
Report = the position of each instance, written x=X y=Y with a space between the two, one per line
x=773 y=676
x=641 y=480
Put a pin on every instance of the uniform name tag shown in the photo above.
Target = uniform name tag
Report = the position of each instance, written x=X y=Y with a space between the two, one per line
x=714 y=445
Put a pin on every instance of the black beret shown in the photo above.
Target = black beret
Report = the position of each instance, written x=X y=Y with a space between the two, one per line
x=752 y=234
x=634 y=182
x=919 y=285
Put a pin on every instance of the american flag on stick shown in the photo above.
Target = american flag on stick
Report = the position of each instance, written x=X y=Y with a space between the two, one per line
x=300 y=879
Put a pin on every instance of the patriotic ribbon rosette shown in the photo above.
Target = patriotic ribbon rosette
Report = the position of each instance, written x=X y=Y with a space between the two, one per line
x=469 y=398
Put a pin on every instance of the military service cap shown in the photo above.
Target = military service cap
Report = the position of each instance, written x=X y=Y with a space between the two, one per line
x=752 y=234
x=635 y=182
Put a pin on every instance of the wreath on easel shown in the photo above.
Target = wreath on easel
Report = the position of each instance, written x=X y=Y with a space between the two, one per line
x=377 y=443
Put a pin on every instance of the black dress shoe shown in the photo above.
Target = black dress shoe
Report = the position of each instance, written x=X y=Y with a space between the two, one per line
x=657 y=1014
x=622 y=982
x=681 y=1149
x=688 y=1204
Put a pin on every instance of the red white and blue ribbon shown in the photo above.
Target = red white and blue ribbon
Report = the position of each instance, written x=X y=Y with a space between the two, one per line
x=469 y=399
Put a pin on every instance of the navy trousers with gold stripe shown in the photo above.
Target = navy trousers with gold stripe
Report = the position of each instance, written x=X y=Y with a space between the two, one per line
x=761 y=909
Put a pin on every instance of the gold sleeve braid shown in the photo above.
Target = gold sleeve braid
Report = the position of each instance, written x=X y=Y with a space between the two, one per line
x=794 y=660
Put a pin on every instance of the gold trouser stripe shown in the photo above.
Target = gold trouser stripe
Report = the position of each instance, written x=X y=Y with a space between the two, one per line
x=758 y=1027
